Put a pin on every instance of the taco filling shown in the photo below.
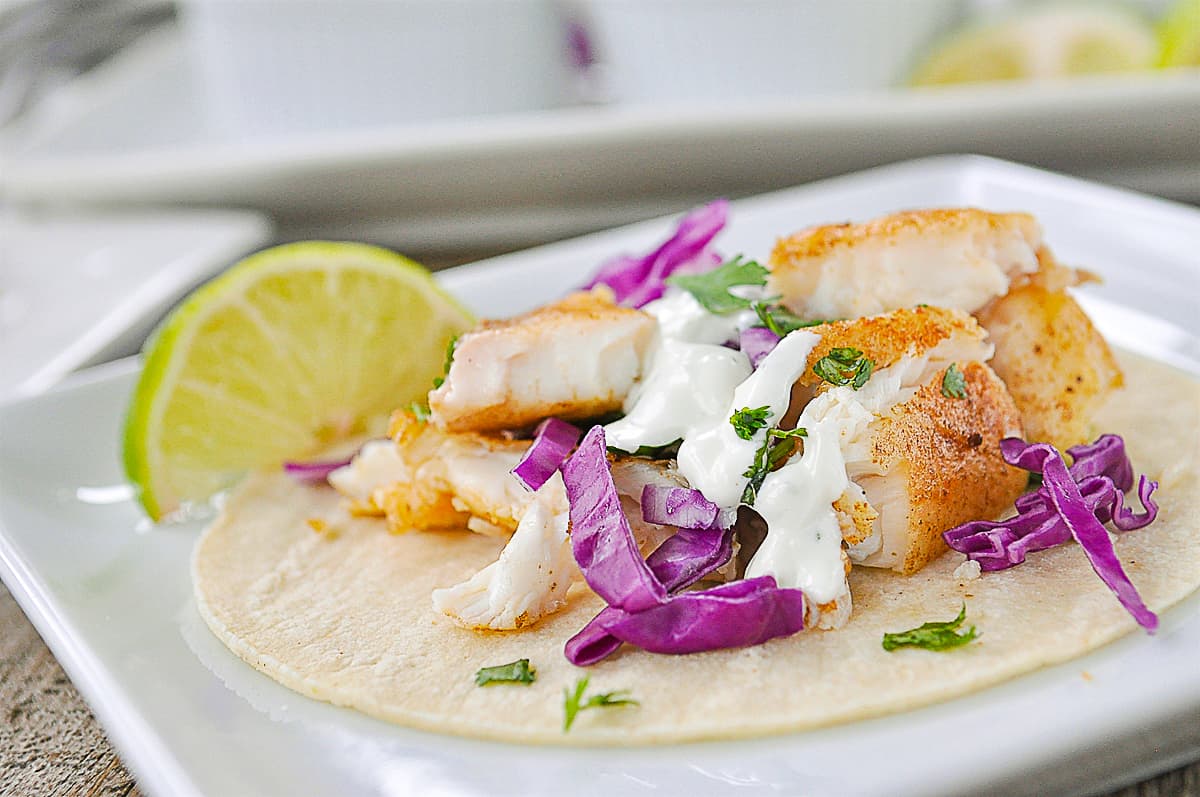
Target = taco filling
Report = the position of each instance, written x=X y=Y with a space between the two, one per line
x=747 y=465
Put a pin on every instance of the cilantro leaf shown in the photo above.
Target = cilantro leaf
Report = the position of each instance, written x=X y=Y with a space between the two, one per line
x=450 y=347
x=653 y=452
x=420 y=411
x=778 y=446
x=954 y=384
x=932 y=636
x=780 y=321
x=711 y=288
x=845 y=366
x=517 y=672
x=746 y=422
x=573 y=702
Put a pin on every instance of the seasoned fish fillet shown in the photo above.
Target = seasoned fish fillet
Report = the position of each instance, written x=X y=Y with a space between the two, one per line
x=536 y=568
x=531 y=577
x=929 y=337
x=453 y=481
x=576 y=358
x=1058 y=368
x=934 y=463
x=919 y=462
x=960 y=258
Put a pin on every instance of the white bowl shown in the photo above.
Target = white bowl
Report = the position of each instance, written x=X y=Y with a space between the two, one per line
x=278 y=66
x=698 y=50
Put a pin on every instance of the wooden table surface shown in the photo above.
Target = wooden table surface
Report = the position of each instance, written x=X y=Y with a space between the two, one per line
x=51 y=745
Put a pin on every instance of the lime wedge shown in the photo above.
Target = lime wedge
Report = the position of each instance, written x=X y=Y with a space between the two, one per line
x=291 y=350
x=1042 y=43
x=1179 y=35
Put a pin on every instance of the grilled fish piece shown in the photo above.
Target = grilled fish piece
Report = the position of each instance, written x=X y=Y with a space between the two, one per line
x=536 y=568
x=960 y=258
x=531 y=577
x=1056 y=365
x=934 y=462
x=1058 y=368
x=575 y=358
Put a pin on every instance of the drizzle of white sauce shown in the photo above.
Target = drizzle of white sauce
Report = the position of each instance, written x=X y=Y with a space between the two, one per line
x=803 y=545
x=681 y=317
x=688 y=385
x=713 y=458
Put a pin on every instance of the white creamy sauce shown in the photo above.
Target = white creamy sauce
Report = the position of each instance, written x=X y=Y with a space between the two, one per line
x=681 y=317
x=694 y=385
x=713 y=458
x=803 y=545
x=688 y=385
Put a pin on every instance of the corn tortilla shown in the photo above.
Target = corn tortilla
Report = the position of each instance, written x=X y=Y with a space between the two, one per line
x=344 y=614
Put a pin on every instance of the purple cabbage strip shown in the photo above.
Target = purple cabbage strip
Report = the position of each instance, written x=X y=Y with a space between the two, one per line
x=601 y=539
x=1071 y=503
x=639 y=280
x=681 y=507
x=733 y=615
x=1092 y=537
x=1105 y=457
x=680 y=561
x=757 y=343
x=689 y=555
x=999 y=544
x=314 y=472
x=642 y=609
x=552 y=442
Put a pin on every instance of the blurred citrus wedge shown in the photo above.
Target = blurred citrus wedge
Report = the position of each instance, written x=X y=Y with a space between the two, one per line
x=291 y=350
x=1179 y=35
x=1045 y=42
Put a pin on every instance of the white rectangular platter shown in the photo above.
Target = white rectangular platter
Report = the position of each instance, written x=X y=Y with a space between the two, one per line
x=112 y=596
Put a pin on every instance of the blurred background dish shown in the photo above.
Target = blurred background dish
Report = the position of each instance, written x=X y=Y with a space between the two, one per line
x=279 y=67
x=454 y=129
x=134 y=133
x=682 y=51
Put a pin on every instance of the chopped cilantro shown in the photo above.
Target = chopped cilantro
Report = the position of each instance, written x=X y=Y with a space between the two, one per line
x=573 y=702
x=517 y=672
x=746 y=422
x=711 y=288
x=932 y=636
x=954 y=384
x=653 y=452
x=450 y=347
x=845 y=366
x=778 y=446
x=777 y=319
x=420 y=411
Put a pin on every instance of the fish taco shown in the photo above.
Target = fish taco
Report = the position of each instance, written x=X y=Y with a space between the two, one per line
x=708 y=497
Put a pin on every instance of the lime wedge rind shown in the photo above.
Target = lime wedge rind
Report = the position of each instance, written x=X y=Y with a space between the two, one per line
x=345 y=324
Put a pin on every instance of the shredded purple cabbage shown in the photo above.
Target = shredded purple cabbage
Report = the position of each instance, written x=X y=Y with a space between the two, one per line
x=552 y=442
x=601 y=539
x=645 y=604
x=681 y=507
x=756 y=343
x=682 y=560
x=314 y=472
x=639 y=280
x=1072 y=503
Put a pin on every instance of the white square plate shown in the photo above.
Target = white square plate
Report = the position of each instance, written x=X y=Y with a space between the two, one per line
x=112 y=599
